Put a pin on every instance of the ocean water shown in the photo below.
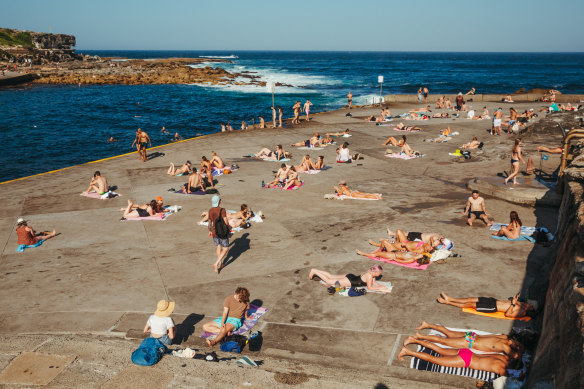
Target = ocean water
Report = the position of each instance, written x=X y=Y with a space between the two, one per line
x=44 y=128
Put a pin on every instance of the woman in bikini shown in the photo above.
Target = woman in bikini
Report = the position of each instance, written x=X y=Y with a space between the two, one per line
x=344 y=190
x=516 y=157
x=403 y=127
x=292 y=179
x=367 y=279
x=513 y=230
x=266 y=153
x=307 y=164
x=395 y=142
x=139 y=212
x=172 y=171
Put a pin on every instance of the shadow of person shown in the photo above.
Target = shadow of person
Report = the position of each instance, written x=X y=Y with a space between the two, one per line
x=153 y=155
x=186 y=328
x=237 y=247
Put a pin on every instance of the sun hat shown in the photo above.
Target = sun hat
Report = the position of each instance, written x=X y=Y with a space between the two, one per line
x=164 y=308
x=215 y=200
x=158 y=198
x=460 y=93
x=20 y=220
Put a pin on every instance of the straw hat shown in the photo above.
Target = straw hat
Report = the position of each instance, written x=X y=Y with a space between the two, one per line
x=164 y=308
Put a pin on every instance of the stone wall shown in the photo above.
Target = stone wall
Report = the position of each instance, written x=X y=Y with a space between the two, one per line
x=46 y=41
x=559 y=357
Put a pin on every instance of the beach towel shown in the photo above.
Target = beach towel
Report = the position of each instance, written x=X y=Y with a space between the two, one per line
x=413 y=265
x=23 y=247
x=524 y=230
x=310 y=148
x=521 y=237
x=157 y=217
x=403 y=156
x=254 y=311
x=199 y=192
x=334 y=196
x=406 y=130
x=495 y=315
x=276 y=160
x=384 y=125
x=105 y=196
x=310 y=171
x=291 y=188
x=345 y=291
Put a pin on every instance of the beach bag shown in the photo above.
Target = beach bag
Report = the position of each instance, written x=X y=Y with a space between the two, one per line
x=515 y=128
x=221 y=229
x=149 y=352
x=354 y=292
x=234 y=343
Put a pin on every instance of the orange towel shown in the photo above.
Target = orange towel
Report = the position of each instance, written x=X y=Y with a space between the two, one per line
x=496 y=315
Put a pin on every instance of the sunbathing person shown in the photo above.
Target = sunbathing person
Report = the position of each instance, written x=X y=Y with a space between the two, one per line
x=400 y=256
x=344 y=190
x=405 y=148
x=27 y=236
x=441 y=115
x=551 y=150
x=403 y=127
x=458 y=339
x=172 y=171
x=395 y=142
x=195 y=181
x=139 y=212
x=412 y=236
x=511 y=307
x=367 y=279
x=495 y=363
x=474 y=144
x=280 y=178
x=338 y=134
x=314 y=141
x=292 y=179
x=266 y=153
x=236 y=219
x=508 y=99
x=419 y=247
x=422 y=109
x=344 y=154
x=471 y=91
x=513 y=230
x=98 y=184
x=307 y=164
x=216 y=161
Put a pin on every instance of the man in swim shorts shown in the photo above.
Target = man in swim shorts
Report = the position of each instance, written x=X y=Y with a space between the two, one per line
x=280 y=178
x=475 y=209
x=497 y=117
x=235 y=309
x=195 y=180
x=98 y=184
x=350 y=99
x=511 y=307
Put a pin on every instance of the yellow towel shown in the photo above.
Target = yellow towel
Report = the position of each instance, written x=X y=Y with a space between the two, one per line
x=496 y=315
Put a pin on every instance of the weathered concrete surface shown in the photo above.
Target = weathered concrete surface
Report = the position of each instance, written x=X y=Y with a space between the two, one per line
x=103 y=277
x=529 y=192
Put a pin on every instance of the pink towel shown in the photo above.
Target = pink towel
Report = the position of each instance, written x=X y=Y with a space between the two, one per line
x=291 y=188
x=413 y=265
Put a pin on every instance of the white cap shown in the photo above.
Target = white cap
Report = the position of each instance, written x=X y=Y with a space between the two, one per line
x=20 y=220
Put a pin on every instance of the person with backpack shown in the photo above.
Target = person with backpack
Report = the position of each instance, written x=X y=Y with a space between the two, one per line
x=219 y=230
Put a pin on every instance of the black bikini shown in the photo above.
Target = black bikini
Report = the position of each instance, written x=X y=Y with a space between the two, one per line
x=355 y=281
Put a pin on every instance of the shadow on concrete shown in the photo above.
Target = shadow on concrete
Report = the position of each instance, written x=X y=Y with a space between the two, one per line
x=153 y=155
x=238 y=247
x=185 y=329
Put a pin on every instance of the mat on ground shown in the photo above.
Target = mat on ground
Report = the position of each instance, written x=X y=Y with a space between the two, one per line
x=290 y=188
x=495 y=315
x=403 y=156
x=334 y=196
x=412 y=265
x=23 y=247
x=254 y=311
x=107 y=195
x=345 y=291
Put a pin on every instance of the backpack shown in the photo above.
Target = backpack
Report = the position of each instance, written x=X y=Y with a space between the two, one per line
x=149 y=352
x=233 y=343
x=221 y=229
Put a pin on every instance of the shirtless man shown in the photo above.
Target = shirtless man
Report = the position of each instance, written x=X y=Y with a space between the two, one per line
x=306 y=109
x=216 y=161
x=512 y=120
x=229 y=127
x=296 y=109
x=137 y=143
x=172 y=171
x=512 y=307
x=471 y=91
x=280 y=178
x=314 y=141
x=338 y=134
x=262 y=122
x=497 y=117
x=273 y=116
x=195 y=180
x=292 y=179
x=144 y=141
x=473 y=144
x=98 y=184
x=222 y=127
x=350 y=99
x=280 y=113
x=475 y=208
x=343 y=189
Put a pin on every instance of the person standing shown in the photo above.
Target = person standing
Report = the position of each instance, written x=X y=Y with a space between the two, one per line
x=160 y=325
x=516 y=157
x=425 y=92
x=350 y=99
x=221 y=243
x=497 y=117
x=280 y=113
x=137 y=142
x=307 y=109
x=273 y=116
x=235 y=308
x=420 y=95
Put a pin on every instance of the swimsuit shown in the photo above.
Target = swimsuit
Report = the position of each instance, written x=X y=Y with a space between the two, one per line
x=307 y=143
x=414 y=236
x=514 y=160
x=143 y=144
x=486 y=305
x=142 y=212
x=477 y=214
x=466 y=356
x=470 y=337
x=496 y=122
x=355 y=281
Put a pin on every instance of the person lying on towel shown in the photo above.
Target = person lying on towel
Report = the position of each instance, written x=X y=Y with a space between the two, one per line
x=511 y=307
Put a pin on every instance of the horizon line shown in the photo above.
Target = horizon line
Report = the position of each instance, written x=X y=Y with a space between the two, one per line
x=349 y=51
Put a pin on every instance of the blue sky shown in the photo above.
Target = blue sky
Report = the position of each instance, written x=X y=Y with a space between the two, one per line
x=367 y=25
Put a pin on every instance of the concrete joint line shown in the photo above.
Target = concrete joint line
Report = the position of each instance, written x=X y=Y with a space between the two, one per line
x=41 y=344
x=394 y=350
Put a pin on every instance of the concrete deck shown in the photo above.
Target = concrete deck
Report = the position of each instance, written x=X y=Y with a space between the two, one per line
x=90 y=290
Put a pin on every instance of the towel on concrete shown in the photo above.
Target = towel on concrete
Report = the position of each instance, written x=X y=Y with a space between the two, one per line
x=495 y=315
x=107 y=195
x=521 y=237
x=291 y=188
x=23 y=247
x=334 y=196
x=310 y=148
x=345 y=291
x=198 y=192
x=413 y=265
x=524 y=230
x=403 y=156
x=254 y=311
x=276 y=160
x=157 y=217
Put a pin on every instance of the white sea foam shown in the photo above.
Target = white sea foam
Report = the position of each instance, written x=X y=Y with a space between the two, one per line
x=219 y=56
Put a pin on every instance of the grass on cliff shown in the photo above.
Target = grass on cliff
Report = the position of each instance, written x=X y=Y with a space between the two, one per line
x=15 y=38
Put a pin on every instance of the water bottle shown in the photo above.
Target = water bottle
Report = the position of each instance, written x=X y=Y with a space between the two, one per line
x=263 y=184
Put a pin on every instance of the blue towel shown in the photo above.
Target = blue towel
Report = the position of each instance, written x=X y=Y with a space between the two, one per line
x=22 y=247
x=521 y=237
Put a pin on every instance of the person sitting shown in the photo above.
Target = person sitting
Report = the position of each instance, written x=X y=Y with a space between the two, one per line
x=292 y=179
x=511 y=307
x=172 y=171
x=469 y=339
x=367 y=279
x=447 y=103
x=513 y=230
x=474 y=144
x=551 y=150
x=262 y=122
x=449 y=357
x=508 y=99
x=344 y=154
x=280 y=178
x=307 y=164
x=243 y=125
x=27 y=236
x=405 y=148
x=160 y=325
x=195 y=181
x=207 y=176
x=134 y=212
x=236 y=219
x=475 y=209
x=98 y=184
x=338 y=134
x=440 y=103
x=343 y=190
x=216 y=161
x=471 y=91
x=266 y=153
x=394 y=142
x=235 y=308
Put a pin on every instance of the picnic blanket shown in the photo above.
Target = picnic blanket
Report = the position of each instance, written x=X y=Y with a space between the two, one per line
x=403 y=156
x=345 y=291
x=521 y=237
x=23 y=247
x=107 y=195
x=334 y=196
x=413 y=265
x=291 y=188
x=254 y=311
x=495 y=315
